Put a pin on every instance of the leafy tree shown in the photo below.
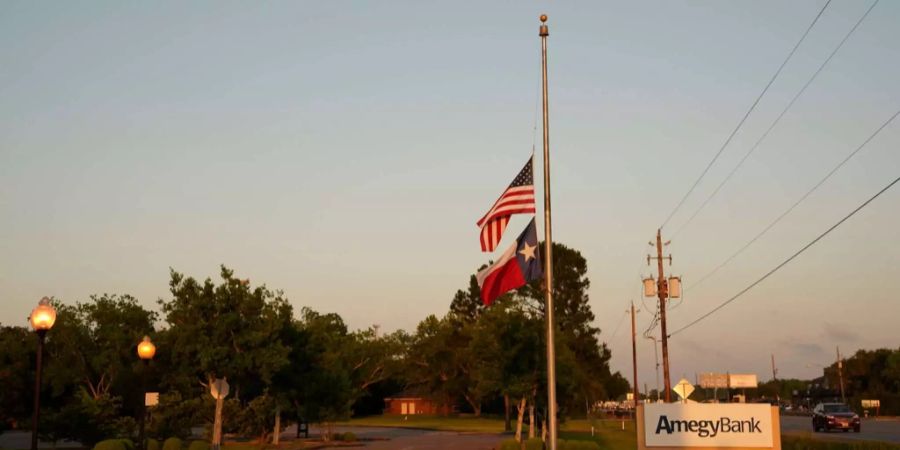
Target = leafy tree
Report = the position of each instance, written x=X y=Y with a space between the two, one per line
x=17 y=349
x=229 y=330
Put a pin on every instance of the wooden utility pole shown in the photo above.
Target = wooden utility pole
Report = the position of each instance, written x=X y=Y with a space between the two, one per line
x=775 y=379
x=637 y=392
x=662 y=290
x=840 y=368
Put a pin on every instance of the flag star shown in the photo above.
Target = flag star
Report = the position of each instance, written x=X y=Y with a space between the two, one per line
x=528 y=251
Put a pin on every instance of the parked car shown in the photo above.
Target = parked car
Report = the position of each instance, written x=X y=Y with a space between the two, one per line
x=834 y=416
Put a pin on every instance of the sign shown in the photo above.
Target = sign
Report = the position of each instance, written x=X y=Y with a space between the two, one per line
x=705 y=425
x=629 y=396
x=713 y=380
x=745 y=380
x=151 y=398
x=683 y=389
x=869 y=404
x=219 y=388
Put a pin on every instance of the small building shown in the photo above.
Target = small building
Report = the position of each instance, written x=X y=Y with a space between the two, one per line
x=411 y=404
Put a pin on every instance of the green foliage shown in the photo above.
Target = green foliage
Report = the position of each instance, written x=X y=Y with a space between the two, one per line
x=111 y=444
x=349 y=437
x=198 y=445
x=151 y=444
x=88 y=420
x=127 y=443
x=534 y=444
x=172 y=443
x=510 y=444
x=226 y=330
x=173 y=416
x=256 y=419
x=17 y=349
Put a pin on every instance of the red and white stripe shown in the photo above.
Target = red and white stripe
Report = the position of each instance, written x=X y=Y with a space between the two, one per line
x=515 y=200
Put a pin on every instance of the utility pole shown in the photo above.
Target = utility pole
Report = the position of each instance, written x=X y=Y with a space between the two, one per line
x=662 y=290
x=840 y=367
x=637 y=392
x=775 y=379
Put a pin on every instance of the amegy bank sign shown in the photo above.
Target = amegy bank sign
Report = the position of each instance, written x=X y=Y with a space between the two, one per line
x=710 y=425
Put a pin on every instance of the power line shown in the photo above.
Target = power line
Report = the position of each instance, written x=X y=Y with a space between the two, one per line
x=747 y=114
x=778 y=119
x=791 y=258
x=798 y=202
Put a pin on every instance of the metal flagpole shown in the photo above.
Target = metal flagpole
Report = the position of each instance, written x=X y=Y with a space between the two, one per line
x=548 y=248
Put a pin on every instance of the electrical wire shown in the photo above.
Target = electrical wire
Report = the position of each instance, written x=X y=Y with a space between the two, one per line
x=798 y=202
x=786 y=261
x=746 y=115
x=616 y=331
x=775 y=122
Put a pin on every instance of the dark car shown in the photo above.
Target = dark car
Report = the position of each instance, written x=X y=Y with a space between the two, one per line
x=834 y=416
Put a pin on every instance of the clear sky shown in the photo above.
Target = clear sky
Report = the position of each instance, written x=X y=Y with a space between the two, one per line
x=342 y=152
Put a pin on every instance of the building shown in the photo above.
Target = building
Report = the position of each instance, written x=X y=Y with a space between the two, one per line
x=411 y=404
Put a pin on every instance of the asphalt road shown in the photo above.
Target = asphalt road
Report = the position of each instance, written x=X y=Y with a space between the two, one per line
x=870 y=430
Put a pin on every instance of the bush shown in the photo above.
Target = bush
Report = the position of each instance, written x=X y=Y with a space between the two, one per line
x=198 y=445
x=534 y=444
x=348 y=437
x=127 y=443
x=110 y=444
x=151 y=444
x=172 y=443
x=510 y=444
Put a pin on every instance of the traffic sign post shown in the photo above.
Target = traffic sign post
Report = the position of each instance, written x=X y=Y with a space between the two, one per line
x=219 y=390
x=683 y=389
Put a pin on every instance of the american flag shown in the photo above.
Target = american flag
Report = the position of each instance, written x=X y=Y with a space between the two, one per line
x=518 y=198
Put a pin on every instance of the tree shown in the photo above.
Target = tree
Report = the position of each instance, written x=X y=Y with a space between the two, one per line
x=229 y=330
x=17 y=347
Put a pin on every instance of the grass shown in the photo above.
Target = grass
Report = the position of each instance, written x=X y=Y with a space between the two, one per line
x=429 y=422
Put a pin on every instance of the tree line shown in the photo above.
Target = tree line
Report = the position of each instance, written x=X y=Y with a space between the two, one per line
x=298 y=365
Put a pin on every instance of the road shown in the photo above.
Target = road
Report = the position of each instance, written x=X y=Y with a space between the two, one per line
x=871 y=430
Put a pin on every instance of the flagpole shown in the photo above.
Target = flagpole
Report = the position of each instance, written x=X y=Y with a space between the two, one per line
x=548 y=248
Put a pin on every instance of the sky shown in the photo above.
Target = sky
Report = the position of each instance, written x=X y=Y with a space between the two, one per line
x=342 y=152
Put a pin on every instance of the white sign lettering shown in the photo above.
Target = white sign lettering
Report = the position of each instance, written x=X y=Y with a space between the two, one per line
x=708 y=425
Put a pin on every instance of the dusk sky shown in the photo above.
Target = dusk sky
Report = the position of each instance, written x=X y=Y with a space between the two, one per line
x=343 y=151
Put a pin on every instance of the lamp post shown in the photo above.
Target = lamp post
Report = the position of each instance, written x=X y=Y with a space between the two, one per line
x=145 y=351
x=42 y=318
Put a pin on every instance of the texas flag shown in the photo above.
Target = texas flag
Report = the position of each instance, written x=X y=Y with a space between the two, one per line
x=519 y=264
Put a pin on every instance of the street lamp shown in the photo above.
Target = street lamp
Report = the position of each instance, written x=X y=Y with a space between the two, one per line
x=145 y=351
x=42 y=318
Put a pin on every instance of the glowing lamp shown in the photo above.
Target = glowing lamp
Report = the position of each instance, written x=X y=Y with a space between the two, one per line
x=43 y=316
x=146 y=349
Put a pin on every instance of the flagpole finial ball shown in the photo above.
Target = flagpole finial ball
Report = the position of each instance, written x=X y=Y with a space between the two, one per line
x=543 y=17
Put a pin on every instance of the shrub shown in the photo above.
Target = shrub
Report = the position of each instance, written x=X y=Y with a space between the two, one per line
x=534 y=444
x=348 y=437
x=172 y=443
x=198 y=445
x=127 y=443
x=510 y=444
x=151 y=444
x=110 y=444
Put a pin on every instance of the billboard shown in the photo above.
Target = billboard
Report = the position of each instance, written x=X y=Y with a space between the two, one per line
x=742 y=380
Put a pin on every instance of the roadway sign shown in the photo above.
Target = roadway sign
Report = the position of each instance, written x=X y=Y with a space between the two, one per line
x=219 y=388
x=684 y=388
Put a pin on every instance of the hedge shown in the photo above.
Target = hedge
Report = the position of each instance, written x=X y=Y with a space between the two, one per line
x=110 y=444
x=198 y=445
x=172 y=443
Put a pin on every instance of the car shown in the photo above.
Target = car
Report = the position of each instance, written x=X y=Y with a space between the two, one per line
x=834 y=416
